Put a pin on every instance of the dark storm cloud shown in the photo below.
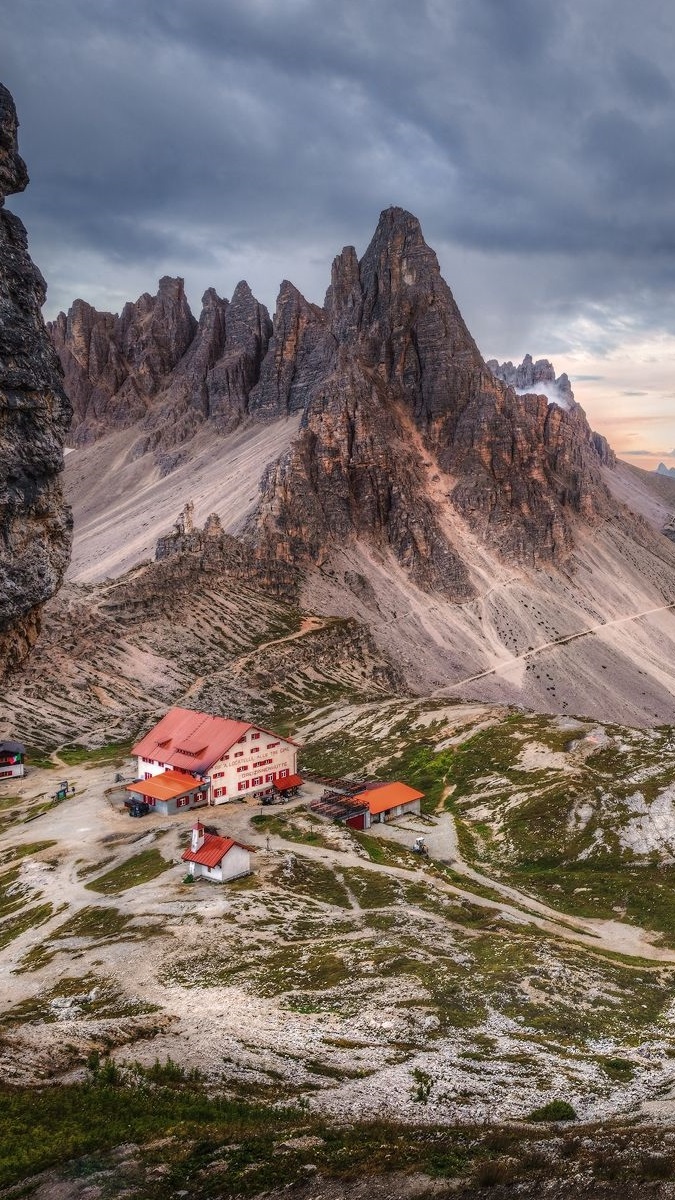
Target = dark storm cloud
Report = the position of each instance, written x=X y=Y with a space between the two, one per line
x=533 y=139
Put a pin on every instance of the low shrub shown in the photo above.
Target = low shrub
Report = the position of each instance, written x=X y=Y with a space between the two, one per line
x=493 y=1171
x=555 y=1110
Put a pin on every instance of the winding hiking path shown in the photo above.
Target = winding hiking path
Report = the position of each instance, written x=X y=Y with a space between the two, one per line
x=562 y=641
x=308 y=625
x=615 y=937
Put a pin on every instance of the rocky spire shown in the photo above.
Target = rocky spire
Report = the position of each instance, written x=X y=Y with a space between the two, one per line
x=230 y=381
x=35 y=523
x=155 y=366
x=299 y=356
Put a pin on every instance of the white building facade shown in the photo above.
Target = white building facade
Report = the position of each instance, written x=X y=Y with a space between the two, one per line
x=251 y=767
x=233 y=759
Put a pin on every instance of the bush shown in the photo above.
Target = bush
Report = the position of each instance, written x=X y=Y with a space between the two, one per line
x=423 y=1086
x=618 y=1068
x=555 y=1110
x=492 y=1172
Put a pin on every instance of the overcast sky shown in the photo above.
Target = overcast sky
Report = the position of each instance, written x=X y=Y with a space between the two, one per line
x=229 y=139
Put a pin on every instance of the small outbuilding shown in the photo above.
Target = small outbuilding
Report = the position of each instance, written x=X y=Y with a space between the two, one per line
x=388 y=800
x=288 y=786
x=364 y=804
x=169 y=792
x=12 y=755
x=213 y=857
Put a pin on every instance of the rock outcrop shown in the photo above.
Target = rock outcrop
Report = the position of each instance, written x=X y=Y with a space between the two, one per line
x=539 y=378
x=34 y=416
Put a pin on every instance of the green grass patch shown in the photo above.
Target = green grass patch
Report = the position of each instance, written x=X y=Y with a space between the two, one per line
x=25 y=849
x=313 y=879
x=113 y=752
x=30 y=918
x=12 y=893
x=140 y=868
x=421 y=767
x=104 y=925
x=555 y=1110
x=39 y=759
x=372 y=889
x=386 y=853
x=280 y=825
x=620 y=1069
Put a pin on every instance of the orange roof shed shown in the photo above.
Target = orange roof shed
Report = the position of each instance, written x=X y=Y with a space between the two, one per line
x=389 y=795
x=167 y=786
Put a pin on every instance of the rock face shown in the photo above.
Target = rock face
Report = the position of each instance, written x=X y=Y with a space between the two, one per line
x=34 y=418
x=528 y=377
x=404 y=424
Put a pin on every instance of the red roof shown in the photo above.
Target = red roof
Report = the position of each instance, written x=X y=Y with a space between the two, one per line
x=167 y=786
x=192 y=740
x=291 y=781
x=390 y=795
x=212 y=851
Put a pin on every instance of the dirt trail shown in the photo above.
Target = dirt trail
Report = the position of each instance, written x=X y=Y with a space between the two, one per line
x=601 y=934
x=307 y=625
x=562 y=641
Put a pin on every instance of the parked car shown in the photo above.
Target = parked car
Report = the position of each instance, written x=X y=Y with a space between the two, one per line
x=137 y=808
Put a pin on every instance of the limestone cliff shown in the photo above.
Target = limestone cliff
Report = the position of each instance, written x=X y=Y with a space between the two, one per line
x=34 y=416
x=405 y=429
x=408 y=424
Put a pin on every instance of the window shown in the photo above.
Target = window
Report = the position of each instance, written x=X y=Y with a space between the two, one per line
x=218 y=774
x=254 y=737
x=239 y=754
x=226 y=758
x=182 y=801
x=284 y=773
x=241 y=739
x=148 y=775
x=270 y=745
x=150 y=800
x=240 y=769
x=242 y=785
x=258 y=780
x=269 y=778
